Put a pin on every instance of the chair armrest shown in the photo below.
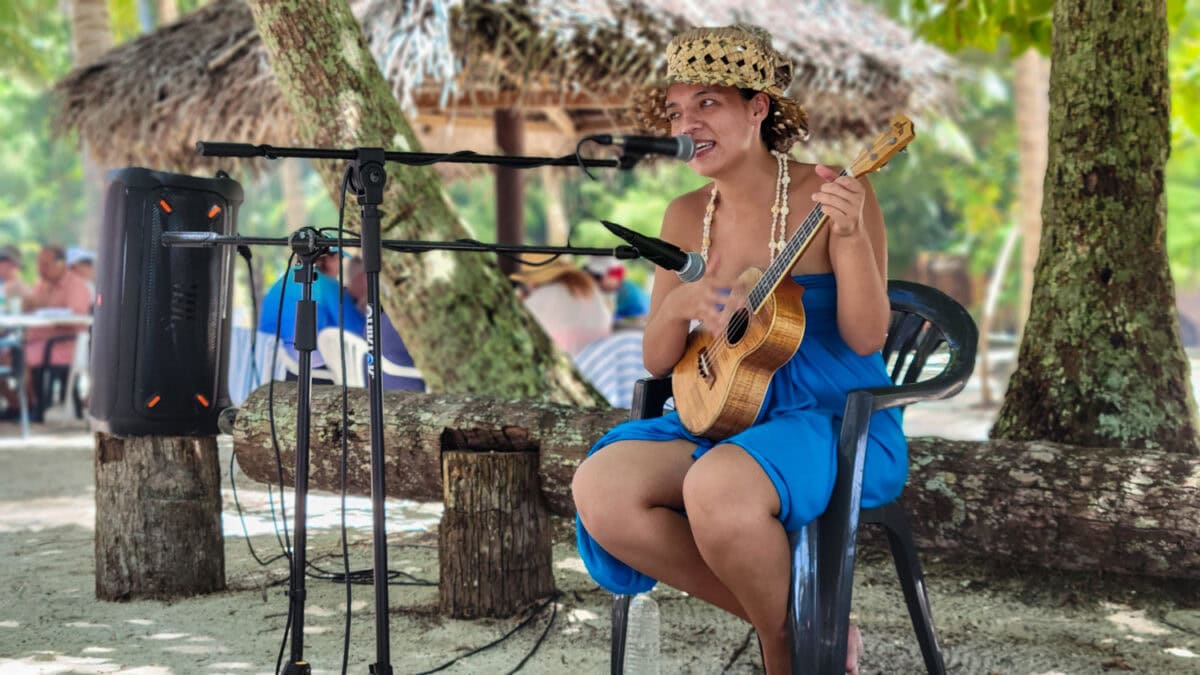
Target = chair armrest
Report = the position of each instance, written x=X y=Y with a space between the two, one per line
x=649 y=396
x=946 y=384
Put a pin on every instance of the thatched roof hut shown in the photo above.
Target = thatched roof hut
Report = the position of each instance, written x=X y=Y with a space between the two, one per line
x=569 y=65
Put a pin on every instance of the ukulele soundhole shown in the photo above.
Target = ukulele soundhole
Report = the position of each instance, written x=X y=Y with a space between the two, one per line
x=738 y=323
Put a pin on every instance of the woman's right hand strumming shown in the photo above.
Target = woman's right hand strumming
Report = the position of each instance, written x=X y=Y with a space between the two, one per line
x=681 y=304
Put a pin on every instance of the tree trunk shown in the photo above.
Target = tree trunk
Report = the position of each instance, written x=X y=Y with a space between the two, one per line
x=158 y=517
x=1031 y=96
x=1099 y=509
x=510 y=184
x=91 y=37
x=168 y=11
x=459 y=317
x=494 y=551
x=1040 y=503
x=557 y=227
x=1101 y=363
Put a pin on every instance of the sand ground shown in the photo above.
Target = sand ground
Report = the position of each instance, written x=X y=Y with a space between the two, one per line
x=991 y=618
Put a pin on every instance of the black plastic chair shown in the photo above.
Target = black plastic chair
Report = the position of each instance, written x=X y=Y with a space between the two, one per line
x=52 y=383
x=923 y=319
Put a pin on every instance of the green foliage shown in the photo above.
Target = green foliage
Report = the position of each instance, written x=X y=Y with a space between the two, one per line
x=982 y=24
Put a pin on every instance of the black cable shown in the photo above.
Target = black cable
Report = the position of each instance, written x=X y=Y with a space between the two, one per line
x=541 y=638
x=242 y=517
x=579 y=157
x=524 y=622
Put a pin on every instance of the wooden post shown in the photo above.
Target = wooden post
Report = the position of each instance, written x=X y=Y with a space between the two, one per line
x=158 y=517
x=494 y=547
x=510 y=184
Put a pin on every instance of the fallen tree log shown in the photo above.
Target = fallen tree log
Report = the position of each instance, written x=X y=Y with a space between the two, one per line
x=1102 y=509
x=412 y=438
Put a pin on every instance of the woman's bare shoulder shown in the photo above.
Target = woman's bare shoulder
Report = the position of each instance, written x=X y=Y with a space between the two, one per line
x=685 y=215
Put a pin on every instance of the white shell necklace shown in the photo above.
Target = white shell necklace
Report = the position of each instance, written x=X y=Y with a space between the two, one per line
x=779 y=211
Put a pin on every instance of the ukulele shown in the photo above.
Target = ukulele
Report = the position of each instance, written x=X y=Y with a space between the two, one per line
x=721 y=380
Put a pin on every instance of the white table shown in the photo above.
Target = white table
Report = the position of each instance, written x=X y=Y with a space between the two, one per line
x=16 y=325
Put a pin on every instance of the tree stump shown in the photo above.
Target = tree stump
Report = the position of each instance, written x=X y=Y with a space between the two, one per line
x=494 y=546
x=158 y=517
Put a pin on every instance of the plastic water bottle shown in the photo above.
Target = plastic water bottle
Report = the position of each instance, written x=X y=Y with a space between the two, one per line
x=642 y=637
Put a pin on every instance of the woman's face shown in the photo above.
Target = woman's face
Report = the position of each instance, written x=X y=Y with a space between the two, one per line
x=723 y=124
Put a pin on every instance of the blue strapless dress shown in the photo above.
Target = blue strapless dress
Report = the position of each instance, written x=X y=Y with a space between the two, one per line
x=795 y=436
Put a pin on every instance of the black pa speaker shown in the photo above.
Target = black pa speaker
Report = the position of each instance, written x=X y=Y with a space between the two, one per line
x=160 y=337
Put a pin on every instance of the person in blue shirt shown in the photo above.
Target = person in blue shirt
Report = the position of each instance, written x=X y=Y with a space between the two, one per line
x=325 y=293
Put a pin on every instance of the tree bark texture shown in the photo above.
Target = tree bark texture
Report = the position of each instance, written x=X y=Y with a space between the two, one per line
x=458 y=315
x=1038 y=502
x=494 y=550
x=158 y=517
x=1101 y=363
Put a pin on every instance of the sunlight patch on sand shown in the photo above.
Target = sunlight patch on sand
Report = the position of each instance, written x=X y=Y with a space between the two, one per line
x=10 y=624
x=195 y=649
x=1181 y=652
x=573 y=563
x=139 y=622
x=167 y=636
x=34 y=515
x=1136 y=622
x=86 y=624
x=231 y=665
x=98 y=650
x=49 y=663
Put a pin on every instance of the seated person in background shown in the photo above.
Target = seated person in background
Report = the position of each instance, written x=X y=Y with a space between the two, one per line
x=566 y=301
x=325 y=293
x=59 y=288
x=83 y=263
x=11 y=285
x=400 y=373
x=629 y=301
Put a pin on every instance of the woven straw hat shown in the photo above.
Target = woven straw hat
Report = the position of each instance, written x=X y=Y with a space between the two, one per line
x=734 y=56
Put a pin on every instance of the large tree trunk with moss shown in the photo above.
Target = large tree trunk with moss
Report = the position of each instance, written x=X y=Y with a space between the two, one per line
x=1039 y=503
x=457 y=313
x=1101 y=363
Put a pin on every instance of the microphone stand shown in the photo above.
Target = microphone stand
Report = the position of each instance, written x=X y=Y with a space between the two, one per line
x=368 y=179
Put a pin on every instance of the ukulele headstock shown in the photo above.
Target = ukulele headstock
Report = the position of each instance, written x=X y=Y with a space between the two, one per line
x=898 y=135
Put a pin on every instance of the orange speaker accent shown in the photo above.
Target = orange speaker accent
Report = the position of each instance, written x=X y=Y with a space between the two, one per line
x=203 y=401
x=154 y=401
x=212 y=213
x=165 y=206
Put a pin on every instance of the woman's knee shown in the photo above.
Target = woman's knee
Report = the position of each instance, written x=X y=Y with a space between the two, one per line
x=727 y=493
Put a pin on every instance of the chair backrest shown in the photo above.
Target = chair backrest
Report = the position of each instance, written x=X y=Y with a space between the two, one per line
x=926 y=321
x=329 y=343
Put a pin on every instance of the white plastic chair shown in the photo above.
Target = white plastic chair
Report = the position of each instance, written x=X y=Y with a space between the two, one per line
x=292 y=366
x=330 y=346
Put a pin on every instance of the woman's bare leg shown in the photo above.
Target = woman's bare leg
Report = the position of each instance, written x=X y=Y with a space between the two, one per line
x=627 y=495
x=733 y=512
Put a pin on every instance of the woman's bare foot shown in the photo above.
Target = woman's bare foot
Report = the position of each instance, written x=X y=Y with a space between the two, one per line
x=854 y=650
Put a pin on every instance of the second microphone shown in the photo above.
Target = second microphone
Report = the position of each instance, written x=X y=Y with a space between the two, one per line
x=688 y=265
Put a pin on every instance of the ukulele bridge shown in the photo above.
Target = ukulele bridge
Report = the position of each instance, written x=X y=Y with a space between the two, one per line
x=704 y=366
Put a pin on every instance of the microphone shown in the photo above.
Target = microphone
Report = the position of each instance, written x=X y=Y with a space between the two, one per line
x=189 y=239
x=688 y=265
x=679 y=147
